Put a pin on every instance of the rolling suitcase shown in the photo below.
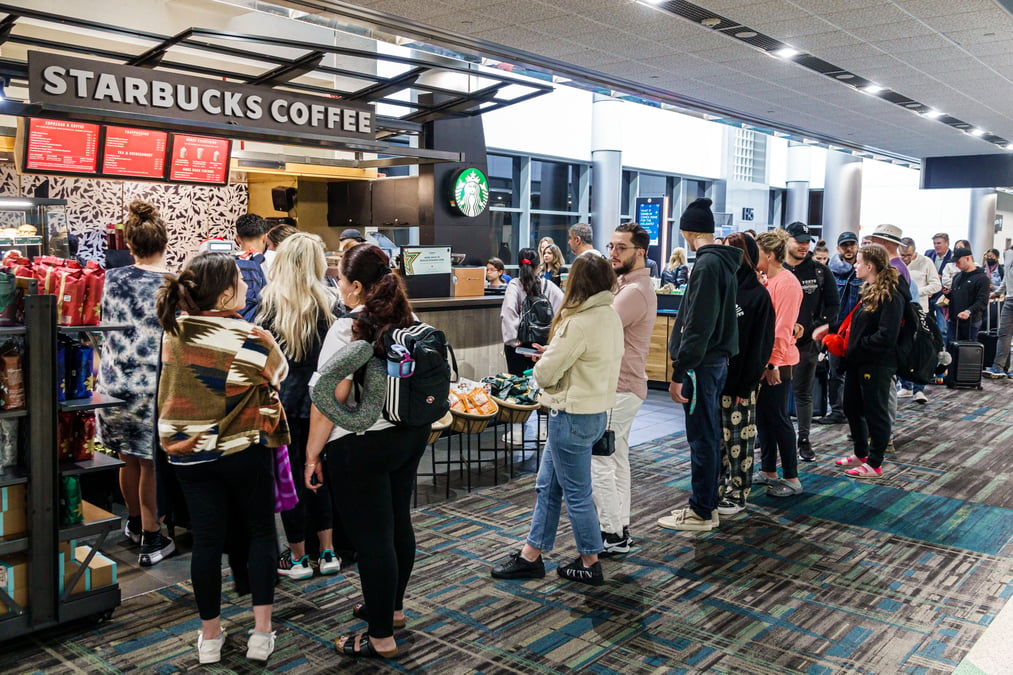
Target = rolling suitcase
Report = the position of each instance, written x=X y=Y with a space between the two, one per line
x=964 y=371
x=989 y=338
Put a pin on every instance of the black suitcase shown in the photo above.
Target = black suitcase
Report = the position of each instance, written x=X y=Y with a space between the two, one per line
x=964 y=371
x=989 y=338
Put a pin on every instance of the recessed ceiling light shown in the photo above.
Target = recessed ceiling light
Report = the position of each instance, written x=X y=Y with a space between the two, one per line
x=1009 y=147
x=933 y=114
x=746 y=34
x=844 y=76
x=977 y=132
x=711 y=21
x=786 y=52
x=914 y=104
x=873 y=88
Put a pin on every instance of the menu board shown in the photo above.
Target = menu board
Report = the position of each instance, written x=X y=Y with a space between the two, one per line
x=137 y=153
x=61 y=147
x=199 y=159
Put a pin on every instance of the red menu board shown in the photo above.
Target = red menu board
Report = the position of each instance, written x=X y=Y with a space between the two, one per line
x=199 y=159
x=59 y=146
x=138 y=153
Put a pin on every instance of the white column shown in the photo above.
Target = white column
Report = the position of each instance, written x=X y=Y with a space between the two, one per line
x=607 y=165
x=981 y=221
x=842 y=196
x=796 y=207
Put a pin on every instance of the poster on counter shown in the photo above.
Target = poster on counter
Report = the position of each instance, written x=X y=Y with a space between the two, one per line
x=199 y=159
x=135 y=153
x=60 y=146
x=419 y=260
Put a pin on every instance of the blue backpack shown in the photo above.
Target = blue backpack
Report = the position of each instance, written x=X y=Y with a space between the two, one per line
x=253 y=275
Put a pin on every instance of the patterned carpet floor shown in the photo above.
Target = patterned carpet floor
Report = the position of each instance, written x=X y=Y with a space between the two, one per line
x=898 y=576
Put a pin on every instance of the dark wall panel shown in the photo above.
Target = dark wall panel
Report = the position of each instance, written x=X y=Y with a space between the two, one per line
x=969 y=171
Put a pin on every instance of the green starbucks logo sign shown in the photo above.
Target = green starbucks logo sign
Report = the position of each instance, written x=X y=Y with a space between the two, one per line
x=471 y=192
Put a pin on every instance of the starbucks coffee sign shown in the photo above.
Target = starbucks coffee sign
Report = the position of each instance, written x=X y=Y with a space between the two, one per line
x=471 y=192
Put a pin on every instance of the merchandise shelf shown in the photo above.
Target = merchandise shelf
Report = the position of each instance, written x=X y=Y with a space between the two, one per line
x=96 y=521
x=17 y=412
x=97 y=400
x=99 y=328
x=14 y=545
x=101 y=462
x=12 y=330
x=100 y=601
x=14 y=625
x=13 y=475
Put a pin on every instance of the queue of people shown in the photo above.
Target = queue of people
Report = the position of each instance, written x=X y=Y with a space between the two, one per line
x=229 y=352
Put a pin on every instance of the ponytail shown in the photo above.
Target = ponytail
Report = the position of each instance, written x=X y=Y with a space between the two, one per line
x=527 y=262
x=385 y=304
x=196 y=289
x=167 y=303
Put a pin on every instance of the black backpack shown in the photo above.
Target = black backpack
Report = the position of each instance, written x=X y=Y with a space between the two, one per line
x=918 y=346
x=536 y=319
x=418 y=375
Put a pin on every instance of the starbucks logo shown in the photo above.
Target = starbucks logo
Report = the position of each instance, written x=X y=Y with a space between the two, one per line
x=471 y=192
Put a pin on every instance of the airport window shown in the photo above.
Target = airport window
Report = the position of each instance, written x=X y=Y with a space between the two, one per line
x=554 y=186
x=504 y=181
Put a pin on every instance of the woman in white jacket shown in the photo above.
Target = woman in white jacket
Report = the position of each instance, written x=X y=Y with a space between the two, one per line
x=578 y=373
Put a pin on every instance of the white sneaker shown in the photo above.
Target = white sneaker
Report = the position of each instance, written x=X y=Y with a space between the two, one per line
x=292 y=568
x=210 y=651
x=904 y=393
x=920 y=397
x=260 y=646
x=686 y=519
x=329 y=563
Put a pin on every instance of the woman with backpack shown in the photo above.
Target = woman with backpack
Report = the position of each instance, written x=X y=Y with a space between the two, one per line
x=871 y=362
x=523 y=315
x=578 y=373
x=371 y=474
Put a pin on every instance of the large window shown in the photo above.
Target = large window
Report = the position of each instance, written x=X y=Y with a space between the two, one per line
x=554 y=186
x=504 y=181
x=505 y=236
x=551 y=225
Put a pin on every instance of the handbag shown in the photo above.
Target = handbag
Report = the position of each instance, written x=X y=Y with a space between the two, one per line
x=606 y=445
x=285 y=497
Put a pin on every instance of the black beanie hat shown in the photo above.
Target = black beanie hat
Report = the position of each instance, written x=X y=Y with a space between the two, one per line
x=698 y=217
x=752 y=250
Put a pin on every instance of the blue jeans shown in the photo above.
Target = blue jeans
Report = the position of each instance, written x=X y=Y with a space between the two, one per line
x=911 y=386
x=940 y=313
x=703 y=431
x=565 y=471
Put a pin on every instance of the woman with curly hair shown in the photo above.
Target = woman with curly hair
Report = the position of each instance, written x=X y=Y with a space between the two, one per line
x=552 y=264
x=871 y=362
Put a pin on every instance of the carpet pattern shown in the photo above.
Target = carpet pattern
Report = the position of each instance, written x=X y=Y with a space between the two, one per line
x=900 y=575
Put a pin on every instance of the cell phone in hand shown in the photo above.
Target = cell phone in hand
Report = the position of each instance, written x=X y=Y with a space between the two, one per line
x=527 y=351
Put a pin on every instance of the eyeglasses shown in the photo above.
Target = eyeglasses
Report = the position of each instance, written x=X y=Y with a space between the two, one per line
x=621 y=248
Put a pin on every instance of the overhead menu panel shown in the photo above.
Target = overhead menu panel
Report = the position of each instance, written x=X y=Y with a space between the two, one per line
x=59 y=146
x=135 y=153
x=199 y=159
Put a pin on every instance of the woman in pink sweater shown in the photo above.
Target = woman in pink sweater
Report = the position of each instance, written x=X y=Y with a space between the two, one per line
x=774 y=432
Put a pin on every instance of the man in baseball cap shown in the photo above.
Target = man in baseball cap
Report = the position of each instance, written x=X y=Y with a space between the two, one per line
x=842 y=265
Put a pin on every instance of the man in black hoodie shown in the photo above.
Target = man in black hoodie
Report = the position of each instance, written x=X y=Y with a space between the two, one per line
x=704 y=337
x=968 y=297
x=820 y=304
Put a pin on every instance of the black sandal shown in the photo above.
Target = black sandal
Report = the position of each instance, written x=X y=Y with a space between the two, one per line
x=359 y=612
x=365 y=650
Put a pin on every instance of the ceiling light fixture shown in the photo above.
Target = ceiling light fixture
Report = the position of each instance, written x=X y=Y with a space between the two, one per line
x=844 y=76
x=711 y=22
x=977 y=132
x=746 y=34
x=786 y=52
x=873 y=89
x=933 y=114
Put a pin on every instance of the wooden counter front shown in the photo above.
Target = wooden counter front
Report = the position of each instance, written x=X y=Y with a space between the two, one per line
x=472 y=327
x=659 y=366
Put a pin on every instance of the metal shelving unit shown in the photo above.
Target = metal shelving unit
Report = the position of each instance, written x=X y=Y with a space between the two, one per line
x=47 y=607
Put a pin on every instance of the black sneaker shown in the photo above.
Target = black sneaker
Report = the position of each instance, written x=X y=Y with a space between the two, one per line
x=576 y=571
x=832 y=418
x=519 y=568
x=614 y=544
x=155 y=547
x=626 y=535
x=805 y=450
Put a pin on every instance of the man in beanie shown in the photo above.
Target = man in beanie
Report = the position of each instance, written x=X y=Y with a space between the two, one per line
x=968 y=297
x=704 y=337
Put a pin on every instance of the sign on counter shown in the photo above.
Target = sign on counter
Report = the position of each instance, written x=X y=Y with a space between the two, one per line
x=419 y=260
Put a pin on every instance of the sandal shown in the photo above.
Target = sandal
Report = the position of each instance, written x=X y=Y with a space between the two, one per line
x=365 y=650
x=359 y=612
x=864 y=471
x=850 y=460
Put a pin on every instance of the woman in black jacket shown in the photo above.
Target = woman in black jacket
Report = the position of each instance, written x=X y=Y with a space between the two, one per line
x=871 y=362
x=755 y=314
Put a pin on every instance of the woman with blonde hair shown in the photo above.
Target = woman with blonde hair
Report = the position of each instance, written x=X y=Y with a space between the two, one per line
x=552 y=264
x=872 y=362
x=298 y=309
x=578 y=373
x=676 y=272
x=774 y=432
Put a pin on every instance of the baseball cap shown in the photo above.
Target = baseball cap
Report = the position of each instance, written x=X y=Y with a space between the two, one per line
x=959 y=253
x=846 y=237
x=799 y=232
x=351 y=234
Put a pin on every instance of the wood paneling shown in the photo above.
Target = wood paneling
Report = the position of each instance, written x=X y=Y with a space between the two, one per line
x=659 y=366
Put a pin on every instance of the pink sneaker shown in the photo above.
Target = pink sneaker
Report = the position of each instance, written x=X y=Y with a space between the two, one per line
x=849 y=461
x=864 y=471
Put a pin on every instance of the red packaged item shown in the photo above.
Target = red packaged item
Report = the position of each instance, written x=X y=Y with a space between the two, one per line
x=20 y=266
x=66 y=430
x=64 y=279
x=94 y=283
x=84 y=443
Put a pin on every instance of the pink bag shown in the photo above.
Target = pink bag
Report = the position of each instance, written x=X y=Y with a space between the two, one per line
x=285 y=497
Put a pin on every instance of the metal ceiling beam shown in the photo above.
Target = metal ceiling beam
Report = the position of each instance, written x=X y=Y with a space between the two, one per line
x=153 y=57
x=300 y=66
x=6 y=26
x=459 y=105
x=387 y=87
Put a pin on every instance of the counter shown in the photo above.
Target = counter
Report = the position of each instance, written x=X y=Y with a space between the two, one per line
x=472 y=327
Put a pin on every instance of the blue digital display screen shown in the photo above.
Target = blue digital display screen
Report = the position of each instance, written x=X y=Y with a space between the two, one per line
x=650 y=215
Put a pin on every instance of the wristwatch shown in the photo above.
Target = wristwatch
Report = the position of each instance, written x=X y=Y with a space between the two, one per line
x=771 y=366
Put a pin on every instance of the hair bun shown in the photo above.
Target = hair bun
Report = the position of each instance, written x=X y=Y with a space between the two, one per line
x=143 y=210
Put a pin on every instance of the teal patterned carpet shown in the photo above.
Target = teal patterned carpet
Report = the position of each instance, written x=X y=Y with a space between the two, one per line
x=897 y=576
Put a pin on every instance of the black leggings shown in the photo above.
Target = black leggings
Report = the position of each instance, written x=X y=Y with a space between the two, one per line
x=774 y=432
x=372 y=478
x=867 y=405
x=314 y=507
x=239 y=490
